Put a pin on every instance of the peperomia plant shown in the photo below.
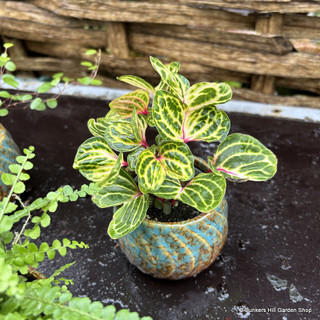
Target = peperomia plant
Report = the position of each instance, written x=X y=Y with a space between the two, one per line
x=165 y=171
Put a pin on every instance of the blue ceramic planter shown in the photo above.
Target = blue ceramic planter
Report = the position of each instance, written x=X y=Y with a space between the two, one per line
x=8 y=153
x=177 y=250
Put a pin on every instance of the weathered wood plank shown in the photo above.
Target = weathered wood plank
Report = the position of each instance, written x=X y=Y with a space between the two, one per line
x=153 y=11
x=266 y=25
x=306 y=46
x=301 y=26
x=26 y=30
x=312 y=85
x=23 y=11
x=137 y=66
x=289 y=65
x=48 y=64
x=235 y=38
x=117 y=39
x=144 y=11
x=275 y=6
x=297 y=100
x=141 y=67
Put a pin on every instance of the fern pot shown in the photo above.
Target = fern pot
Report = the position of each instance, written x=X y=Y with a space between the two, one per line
x=8 y=153
x=177 y=250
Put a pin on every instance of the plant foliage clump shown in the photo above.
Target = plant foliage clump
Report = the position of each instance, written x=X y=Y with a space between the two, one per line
x=59 y=82
x=42 y=298
x=165 y=171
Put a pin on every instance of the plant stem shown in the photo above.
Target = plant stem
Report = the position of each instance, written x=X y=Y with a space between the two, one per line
x=18 y=236
x=7 y=199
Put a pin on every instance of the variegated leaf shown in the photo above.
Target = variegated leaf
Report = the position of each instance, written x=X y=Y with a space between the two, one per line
x=243 y=157
x=177 y=83
x=159 y=139
x=169 y=189
x=123 y=190
x=129 y=216
x=150 y=172
x=168 y=114
x=213 y=168
x=95 y=159
x=173 y=67
x=120 y=137
x=204 y=192
x=138 y=82
x=207 y=93
x=138 y=99
x=112 y=177
x=206 y=124
x=177 y=160
x=139 y=125
x=113 y=116
x=97 y=127
x=133 y=158
x=150 y=119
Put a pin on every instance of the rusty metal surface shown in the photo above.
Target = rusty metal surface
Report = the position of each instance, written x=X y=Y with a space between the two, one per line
x=274 y=227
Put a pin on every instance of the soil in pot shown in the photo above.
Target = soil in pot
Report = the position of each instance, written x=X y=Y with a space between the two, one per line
x=181 y=212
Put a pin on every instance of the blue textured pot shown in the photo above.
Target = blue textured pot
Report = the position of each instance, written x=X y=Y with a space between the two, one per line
x=177 y=250
x=8 y=153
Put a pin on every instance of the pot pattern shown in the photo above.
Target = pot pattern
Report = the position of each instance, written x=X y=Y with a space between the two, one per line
x=8 y=153
x=177 y=250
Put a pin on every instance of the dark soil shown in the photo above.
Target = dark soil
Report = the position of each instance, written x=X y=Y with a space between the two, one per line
x=181 y=212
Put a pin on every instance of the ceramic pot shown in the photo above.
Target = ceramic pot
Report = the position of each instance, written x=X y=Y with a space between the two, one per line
x=8 y=153
x=177 y=250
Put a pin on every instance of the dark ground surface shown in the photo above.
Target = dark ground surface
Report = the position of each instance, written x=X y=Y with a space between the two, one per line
x=274 y=227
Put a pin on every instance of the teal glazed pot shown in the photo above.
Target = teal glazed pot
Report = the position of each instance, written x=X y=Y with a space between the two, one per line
x=8 y=153
x=177 y=250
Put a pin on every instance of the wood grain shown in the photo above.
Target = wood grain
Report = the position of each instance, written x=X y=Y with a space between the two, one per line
x=289 y=65
x=236 y=38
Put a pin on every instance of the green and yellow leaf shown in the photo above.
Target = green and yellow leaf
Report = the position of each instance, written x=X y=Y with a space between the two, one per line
x=138 y=99
x=129 y=216
x=124 y=189
x=138 y=82
x=176 y=122
x=133 y=158
x=177 y=160
x=206 y=124
x=97 y=127
x=168 y=114
x=242 y=157
x=112 y=177
x=169 y=189
x=204 y=192
x=95 y=159
x=207 y=93
x=150 y=171
x=120 y=136
x=178 y=84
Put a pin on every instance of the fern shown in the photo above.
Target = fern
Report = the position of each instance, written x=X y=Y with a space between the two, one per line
x=43 y=298
x=23 y=256
x=54 y=304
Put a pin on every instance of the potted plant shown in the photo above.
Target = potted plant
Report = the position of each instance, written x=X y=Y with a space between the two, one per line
x=170 y=213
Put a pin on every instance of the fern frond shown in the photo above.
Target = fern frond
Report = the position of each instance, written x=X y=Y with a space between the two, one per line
x=52 y=303
x=23 y=256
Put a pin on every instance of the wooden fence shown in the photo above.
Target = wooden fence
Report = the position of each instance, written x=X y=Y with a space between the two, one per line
x=269 y=48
